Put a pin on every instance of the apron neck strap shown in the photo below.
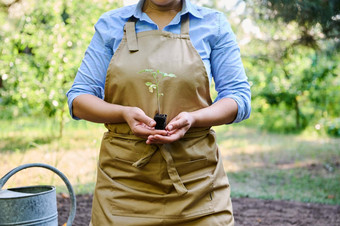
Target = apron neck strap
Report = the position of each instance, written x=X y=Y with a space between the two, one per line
x=185 y=24
x=131 y=36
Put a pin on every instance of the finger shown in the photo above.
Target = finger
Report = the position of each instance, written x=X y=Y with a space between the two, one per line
x=162 y=133
x=145 y=119
x=166 y=139
x=148 y=127
x=159 y=139
x=142 y=132
x=177 y=124
x=159 y=132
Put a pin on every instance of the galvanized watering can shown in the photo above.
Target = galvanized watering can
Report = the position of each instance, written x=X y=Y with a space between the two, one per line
x=33 y=205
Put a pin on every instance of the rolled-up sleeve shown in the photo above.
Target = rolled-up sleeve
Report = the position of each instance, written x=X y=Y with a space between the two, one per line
x=90 y=78
x=228 y=71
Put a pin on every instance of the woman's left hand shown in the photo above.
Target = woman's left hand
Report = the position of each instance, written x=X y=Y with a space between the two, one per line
x=176 y=129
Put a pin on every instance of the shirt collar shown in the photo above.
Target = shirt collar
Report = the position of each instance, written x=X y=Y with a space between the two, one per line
x=187 y=7
x=190 y=8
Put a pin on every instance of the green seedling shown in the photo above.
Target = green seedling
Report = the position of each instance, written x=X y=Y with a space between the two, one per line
x=157 y=76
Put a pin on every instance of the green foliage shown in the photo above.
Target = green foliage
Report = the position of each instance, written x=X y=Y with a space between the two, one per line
x=295 y=84
x=333 y=127
x=42 y=44
x=299 y=88
x=306 y=13
x=290 y=52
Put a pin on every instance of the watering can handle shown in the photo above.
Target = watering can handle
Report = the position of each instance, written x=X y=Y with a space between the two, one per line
x=60 y=174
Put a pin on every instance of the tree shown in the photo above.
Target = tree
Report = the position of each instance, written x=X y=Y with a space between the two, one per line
x=42 y=44
x=308 y=14
x=293 y=62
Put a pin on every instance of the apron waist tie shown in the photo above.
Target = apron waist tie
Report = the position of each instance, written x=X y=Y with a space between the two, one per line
x=165 y=152
x=150 y=151
x=172 y=172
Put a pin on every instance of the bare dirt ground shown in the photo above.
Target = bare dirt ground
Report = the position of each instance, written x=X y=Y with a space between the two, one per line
x=247 y=211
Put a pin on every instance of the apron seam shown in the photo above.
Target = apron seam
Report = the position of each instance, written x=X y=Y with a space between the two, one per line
x=118 y=50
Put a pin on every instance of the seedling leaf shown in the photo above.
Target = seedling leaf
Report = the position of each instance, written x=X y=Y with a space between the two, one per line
x=146 y=70
x=170 y=75
x=151 y=86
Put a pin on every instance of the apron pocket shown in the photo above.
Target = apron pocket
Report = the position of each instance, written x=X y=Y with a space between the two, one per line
x=184 y=168
x=194 y=169
x=123 y=160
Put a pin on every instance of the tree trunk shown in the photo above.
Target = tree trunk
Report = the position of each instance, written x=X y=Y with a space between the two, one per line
x=297 y=113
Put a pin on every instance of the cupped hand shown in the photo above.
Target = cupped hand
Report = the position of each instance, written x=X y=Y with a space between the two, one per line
x=140 y=124
x=176 y=129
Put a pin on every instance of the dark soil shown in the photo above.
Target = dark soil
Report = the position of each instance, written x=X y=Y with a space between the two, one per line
x=247 y=211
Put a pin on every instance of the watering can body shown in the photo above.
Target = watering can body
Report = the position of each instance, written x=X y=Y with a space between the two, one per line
x=32 y=205
x=35 y=205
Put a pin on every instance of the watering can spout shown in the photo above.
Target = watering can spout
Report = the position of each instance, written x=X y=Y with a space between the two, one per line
x=33 y=205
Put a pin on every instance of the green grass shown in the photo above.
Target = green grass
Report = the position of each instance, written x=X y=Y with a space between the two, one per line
x=294 y=184
x=263 y=165
x=28 y=140
x=26 y=134
x=276 y=166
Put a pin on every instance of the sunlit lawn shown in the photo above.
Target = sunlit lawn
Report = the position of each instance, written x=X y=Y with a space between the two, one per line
x=259 y=164
x=75 y=154
x=276 y=166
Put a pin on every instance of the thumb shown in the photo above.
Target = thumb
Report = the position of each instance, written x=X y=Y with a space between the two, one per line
x=176 y=124
x=145 y=119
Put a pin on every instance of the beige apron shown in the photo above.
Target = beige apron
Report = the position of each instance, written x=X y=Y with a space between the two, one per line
x=182 y=183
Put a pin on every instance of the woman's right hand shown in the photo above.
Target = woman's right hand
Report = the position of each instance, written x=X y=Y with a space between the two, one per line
x=94 y=109
x=140 y=124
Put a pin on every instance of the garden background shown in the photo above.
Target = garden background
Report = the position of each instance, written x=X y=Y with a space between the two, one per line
x=288 y=150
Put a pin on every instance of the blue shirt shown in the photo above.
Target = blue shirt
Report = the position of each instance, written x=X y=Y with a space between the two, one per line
x=209 y=31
